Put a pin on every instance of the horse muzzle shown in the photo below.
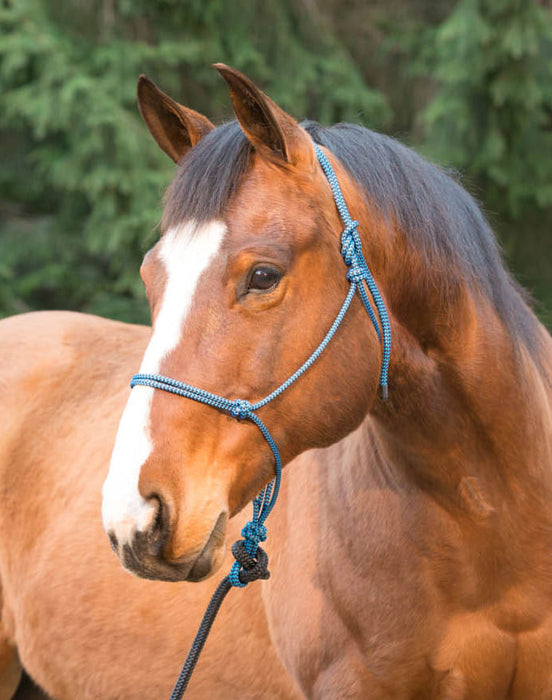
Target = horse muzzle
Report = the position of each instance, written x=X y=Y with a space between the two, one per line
x=148 y=553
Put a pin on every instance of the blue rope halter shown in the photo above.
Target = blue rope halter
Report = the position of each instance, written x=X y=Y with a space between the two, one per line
x=360 y=278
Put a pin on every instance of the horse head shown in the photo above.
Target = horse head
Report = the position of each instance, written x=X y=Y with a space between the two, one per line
x=245 y=280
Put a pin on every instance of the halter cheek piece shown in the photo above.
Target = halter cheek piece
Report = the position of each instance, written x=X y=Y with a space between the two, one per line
x=251 y=560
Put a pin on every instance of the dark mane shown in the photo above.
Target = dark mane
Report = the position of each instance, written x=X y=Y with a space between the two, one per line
x=435 y=213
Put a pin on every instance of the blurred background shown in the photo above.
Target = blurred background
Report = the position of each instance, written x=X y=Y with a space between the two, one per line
x=466 y=83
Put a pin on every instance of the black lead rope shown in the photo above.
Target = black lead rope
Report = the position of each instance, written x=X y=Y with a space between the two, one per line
x=201 y=637
x=252 y=568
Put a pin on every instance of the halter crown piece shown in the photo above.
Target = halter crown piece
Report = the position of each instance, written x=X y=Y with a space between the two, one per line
x=251 y=561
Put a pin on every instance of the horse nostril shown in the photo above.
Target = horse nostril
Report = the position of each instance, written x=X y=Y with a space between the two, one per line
x=159 y=530
x=113 y=541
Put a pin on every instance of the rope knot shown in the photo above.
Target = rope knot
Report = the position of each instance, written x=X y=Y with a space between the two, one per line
x=241 y=409
x=356 y=273
x=254 y=532
x=351 y=246
x=247 y=568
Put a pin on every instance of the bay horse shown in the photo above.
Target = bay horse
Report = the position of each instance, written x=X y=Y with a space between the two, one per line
x=411 y=544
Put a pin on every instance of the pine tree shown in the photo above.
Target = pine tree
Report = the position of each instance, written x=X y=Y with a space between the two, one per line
x=492 y=115
x=491 y=118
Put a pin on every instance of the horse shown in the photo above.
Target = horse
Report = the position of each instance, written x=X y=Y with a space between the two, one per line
x=410 y=548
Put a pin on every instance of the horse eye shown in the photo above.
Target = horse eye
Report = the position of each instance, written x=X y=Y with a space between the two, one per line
x=264 y=278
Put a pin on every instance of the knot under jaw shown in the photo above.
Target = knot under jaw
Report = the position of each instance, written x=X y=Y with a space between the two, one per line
x=254 y=532
x=248 y=567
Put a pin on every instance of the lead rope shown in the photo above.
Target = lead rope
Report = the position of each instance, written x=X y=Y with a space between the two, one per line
x=251 y=561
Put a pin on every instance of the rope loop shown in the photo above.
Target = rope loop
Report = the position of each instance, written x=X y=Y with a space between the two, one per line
x=247 y=567
x=241 y=409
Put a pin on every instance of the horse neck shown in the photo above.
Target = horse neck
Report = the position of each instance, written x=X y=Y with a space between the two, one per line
x=469 y=420
x=457 y=460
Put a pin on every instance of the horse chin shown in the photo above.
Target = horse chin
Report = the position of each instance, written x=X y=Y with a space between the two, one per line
x=204 y=566
x=144 y=561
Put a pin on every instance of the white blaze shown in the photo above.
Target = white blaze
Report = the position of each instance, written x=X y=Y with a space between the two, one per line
x=185 y=252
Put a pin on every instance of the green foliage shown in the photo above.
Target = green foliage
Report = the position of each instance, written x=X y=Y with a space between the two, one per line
x=83 y=178
x=492 y=60
x=81 y=181
x=492 y=119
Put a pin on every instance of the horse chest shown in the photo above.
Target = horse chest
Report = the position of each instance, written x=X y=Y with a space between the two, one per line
x=476 y=660
x=393 y=644
x=377 y=618
x=350 y=625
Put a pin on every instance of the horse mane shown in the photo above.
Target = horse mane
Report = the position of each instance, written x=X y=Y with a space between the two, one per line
x=436 y=214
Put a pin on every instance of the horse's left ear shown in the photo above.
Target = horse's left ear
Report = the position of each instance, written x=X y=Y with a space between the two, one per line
x=175 y=128
x=272 y=132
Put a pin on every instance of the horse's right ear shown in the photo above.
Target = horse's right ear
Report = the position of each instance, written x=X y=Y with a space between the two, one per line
x=175 y=128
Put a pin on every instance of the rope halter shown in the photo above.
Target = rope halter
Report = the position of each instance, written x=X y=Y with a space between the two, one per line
x=361 y=281
x=251 y=561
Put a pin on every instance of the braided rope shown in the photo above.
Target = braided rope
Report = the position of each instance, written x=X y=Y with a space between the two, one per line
x=251 y=561
x=351 y=249
x=201 y=637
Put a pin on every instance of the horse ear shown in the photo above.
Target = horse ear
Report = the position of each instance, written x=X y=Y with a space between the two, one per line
x=272 y=132
x=175 y=128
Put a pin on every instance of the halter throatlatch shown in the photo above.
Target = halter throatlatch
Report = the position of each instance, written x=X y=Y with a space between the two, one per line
x=251 y=561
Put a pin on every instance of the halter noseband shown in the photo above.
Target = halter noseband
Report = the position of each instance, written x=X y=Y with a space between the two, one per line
x=360 y=278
